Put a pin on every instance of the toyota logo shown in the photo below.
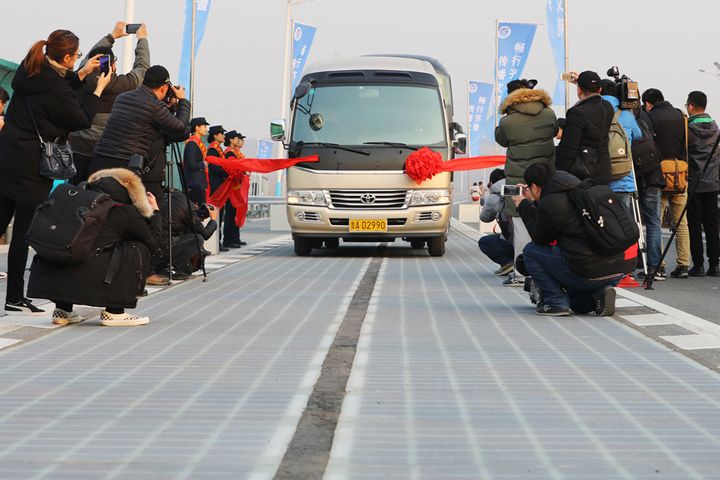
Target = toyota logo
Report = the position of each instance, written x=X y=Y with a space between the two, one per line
x=367 y=198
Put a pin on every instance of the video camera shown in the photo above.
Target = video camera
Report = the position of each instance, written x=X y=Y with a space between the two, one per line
x=628 y=90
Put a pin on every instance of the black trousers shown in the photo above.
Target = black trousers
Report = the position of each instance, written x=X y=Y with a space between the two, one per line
x=230 y=231
x=18 y=252
x=197 y=195
x=703 y=215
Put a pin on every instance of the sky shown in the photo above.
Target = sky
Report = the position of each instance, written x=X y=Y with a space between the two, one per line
x=239 y=67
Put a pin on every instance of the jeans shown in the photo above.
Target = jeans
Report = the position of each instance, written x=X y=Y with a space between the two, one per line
x=651 y=217
x=702 y=215
x=682 y=239
x=561 y=288
x=497 y=249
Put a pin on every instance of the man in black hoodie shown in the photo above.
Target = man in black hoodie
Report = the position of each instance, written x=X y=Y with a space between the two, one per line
x=703 y=206
x=568 y=272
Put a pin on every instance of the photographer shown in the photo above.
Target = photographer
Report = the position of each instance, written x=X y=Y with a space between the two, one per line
x=497 y=247
x=83 y=142
x=138 y=118
x=569 y=273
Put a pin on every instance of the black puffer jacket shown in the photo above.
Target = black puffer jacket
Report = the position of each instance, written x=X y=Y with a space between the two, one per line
x=702 y=134
x=136 y=119
x=182 y=222
x=583 y=150
x=115 y=275
x=555 y=217
x=668 y=123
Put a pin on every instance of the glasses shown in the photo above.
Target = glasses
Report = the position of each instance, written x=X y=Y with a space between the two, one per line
x=78 y=54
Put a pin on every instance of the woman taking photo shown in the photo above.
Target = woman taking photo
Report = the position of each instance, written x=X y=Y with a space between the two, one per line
x=44 y=89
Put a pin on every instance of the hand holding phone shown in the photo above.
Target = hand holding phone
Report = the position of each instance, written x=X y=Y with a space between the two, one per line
x=512 y=190
x=131 y=28
x=104 y=64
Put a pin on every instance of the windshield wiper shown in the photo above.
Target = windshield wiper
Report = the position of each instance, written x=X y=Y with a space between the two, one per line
x=301 y=144
x=392 y=144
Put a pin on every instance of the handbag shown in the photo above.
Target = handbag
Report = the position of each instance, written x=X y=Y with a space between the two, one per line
x=56 y=158
x=675 y=170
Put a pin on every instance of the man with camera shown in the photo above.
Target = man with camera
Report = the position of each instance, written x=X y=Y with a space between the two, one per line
x=583 y=149
x=669 y=125
x=83 y=142
x=562 y=262
x=137 y=118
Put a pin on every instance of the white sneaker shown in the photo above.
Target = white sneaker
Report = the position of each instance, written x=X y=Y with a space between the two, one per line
x=61 y=317
x=122 y=319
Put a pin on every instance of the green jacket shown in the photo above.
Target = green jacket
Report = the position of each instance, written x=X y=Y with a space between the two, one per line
x=527 y=130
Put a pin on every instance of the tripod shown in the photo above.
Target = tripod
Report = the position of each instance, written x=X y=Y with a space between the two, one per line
x=637 y=213
x=175 y=159
x=649 y=279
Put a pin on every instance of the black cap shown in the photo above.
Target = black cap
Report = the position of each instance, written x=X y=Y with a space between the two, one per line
x=229 y=136
x=589 y=81
x=198 y=121
x=156 y=76
x=215 y=129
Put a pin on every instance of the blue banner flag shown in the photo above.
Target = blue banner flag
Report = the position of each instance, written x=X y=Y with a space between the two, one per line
x=265 y=148
x=556 y=32
x=480 y=117
x=514 y=42
x=202 y=8
x=303 y=36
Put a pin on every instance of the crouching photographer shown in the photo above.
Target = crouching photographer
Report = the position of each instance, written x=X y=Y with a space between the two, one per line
x=188 y=233
x=583 y=241
x=112 y=273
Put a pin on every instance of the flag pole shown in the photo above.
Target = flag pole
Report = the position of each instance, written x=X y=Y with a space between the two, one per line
x=567 y=56
x=496 y=97
x=285 y=107
x=192 y=59
x=127 y=43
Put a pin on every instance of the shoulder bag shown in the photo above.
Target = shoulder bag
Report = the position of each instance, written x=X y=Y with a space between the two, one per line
x=675 y=170
x=56 y=158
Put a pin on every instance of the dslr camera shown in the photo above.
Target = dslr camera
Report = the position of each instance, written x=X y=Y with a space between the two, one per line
x=628 y=90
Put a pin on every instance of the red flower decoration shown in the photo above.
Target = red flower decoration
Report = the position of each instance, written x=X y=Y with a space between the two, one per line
x=423 y=164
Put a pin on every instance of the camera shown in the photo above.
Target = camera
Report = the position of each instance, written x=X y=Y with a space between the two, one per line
x=170 y=95
x=512 y=190
x=136 y=164
x=628 y=90
x=105 y=64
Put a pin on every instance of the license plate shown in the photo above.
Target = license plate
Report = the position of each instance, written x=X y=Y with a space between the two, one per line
x=368 y=225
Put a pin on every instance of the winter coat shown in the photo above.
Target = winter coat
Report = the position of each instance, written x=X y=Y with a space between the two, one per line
x=181 y=221
x=668 y=123
x=494 y=209
x=115 y=274
x=583 y=149
x=57 y=112
x=194 y=166
x=527 y=130
x=702 y=134
x=654 y=178
x=555 y=218
x=627 y=121
x=84 y=141
x=136 y=119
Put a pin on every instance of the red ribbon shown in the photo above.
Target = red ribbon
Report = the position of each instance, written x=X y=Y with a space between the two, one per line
x=424 y=164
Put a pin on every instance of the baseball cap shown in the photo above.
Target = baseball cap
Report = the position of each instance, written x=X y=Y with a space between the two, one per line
x=156 y=76
x=589 y=81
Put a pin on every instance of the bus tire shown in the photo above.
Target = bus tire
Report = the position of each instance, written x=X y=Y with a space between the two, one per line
x=303 y=247
x=436 y=246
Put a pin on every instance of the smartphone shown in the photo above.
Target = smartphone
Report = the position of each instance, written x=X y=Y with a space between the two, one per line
x=512 y=190
x=566 y=77
x=105 y=64
x=132 y=27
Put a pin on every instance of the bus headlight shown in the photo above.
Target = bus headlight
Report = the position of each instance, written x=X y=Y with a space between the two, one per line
x=306 y=197
x=430 y=197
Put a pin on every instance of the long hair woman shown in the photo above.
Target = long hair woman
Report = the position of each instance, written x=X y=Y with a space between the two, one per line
x=44 y=90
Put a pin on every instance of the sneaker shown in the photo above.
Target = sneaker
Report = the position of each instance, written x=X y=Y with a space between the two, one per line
x=62 y=317
x=513 y=281
x=681 y=271
x=713 y=271
x=504 y=269
x=550 y=311
x=23 y=307
x=605 y=302
x=157 y=280
x=659 y=276
x=122 y=319
x=696 y=272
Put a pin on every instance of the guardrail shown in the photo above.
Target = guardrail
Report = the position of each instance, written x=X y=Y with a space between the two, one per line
x=259 y=207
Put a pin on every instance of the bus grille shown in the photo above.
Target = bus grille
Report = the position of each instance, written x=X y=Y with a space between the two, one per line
x=369 y=199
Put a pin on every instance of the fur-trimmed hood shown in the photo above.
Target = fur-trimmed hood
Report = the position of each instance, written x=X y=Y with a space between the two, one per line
x=519 y=99
x=132 y=188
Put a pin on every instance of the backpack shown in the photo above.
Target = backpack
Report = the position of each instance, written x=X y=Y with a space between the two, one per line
x=644 y=151
x=619 y=148
x=609 y=227
x=66 y=225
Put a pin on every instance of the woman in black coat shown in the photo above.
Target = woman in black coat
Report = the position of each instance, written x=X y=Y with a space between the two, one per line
x=45 y=85
x=115 y=275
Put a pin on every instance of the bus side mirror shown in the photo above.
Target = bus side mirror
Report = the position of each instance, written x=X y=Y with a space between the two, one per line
x=277 y=130
x=460 y=143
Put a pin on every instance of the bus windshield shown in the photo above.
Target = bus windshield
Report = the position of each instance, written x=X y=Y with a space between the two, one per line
x=358 y=114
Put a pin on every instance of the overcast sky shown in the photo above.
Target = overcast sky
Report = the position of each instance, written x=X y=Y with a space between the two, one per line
x=659 y=43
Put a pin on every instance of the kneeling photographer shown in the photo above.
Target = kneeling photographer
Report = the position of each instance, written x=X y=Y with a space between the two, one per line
x=563 y=258
x=140 y=117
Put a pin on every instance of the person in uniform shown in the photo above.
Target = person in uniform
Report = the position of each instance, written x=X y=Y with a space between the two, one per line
x=231 y=232
x=194 y=166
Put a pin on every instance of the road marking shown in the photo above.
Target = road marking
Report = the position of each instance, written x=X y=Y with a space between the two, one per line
x=693 y=342
x=648 y=319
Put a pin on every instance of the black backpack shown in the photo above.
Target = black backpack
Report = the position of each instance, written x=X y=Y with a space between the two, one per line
x=66 y=225
x=609 y=226
x=644 y=151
